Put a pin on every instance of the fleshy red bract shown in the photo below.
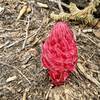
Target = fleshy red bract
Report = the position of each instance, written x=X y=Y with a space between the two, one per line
x=59 y=53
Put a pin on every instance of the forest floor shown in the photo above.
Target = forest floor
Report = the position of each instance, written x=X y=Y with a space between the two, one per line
x=21 y=75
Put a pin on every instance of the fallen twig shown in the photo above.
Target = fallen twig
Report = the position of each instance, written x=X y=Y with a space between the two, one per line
x=3 y=45
x=27 y=29
x=32 y=35
x=88 y=59
x=60 y=7
x=55 y=1
x=92 y=79
x=3 y=63
x=86 y=36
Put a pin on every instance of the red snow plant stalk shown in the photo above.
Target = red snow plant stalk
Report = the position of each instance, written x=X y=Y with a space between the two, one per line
x=59 y=53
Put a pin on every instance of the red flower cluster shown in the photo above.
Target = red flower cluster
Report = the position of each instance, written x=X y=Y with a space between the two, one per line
x=59 y=53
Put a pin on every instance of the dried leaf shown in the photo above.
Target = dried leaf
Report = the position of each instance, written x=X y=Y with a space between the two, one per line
x=22 y=11
x=29 y=9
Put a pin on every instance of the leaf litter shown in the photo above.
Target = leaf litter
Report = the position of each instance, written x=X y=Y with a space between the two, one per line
x=16 y=52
